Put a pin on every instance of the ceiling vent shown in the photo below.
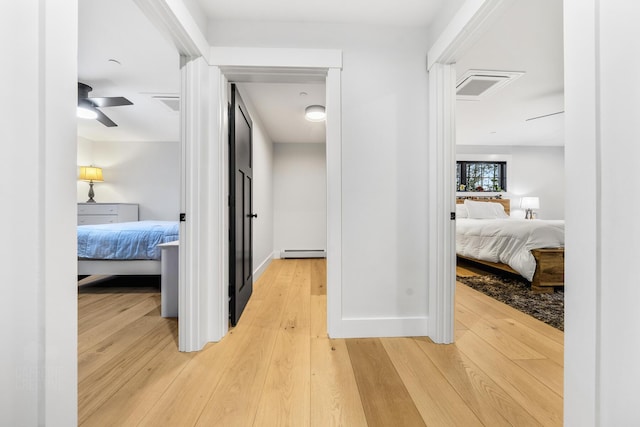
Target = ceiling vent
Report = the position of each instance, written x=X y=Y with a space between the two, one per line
x=477 y=84
x=172 y=102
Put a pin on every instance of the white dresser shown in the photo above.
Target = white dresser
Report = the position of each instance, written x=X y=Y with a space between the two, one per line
x=106 y=213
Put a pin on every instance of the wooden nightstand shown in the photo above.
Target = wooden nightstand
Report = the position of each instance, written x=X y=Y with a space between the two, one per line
x=106 y=213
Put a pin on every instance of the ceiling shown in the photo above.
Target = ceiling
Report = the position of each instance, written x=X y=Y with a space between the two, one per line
x=280 y=107
x=396 y=12
x=117 y=29
x=528 y=38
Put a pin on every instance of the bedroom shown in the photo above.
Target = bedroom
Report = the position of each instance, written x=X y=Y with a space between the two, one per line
x=141 y=157
x=515 y=114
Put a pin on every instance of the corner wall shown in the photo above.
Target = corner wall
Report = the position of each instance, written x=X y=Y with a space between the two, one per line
x=263 y=165
x=300 y=197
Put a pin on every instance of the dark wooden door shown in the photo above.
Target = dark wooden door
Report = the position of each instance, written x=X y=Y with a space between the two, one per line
x=240 y=207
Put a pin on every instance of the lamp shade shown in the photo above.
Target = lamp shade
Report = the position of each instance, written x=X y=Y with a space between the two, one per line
x=530 y=203
x=315 y=113
x=91 y=173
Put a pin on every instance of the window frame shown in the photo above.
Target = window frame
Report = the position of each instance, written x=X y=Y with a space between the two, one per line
x=462 y=168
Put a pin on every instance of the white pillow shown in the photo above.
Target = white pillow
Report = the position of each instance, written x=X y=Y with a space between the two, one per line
x=461 y=211
x=485 y=210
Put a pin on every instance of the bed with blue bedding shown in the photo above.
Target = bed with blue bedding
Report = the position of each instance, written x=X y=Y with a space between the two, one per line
x=123 y=248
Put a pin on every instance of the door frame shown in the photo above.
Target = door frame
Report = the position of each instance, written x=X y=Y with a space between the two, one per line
x=471 y=20
x=229 y=63
x=174 y=21
x=204 y=292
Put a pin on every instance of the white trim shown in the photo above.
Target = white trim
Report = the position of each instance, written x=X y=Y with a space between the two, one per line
x=174 y=20
x=276 y=58
x=194 y=276
x=257 y=272
x=473 y=17
x=583 y=208
x=257 y=60
x=186 y=341
x=442 y=99
x=219 y=317
x=373 y=327
x=334 y=203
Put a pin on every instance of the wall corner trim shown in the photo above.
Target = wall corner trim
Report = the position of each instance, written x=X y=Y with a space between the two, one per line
x=275 y=57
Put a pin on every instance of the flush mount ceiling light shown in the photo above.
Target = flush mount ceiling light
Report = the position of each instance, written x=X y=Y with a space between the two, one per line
x=315 y=113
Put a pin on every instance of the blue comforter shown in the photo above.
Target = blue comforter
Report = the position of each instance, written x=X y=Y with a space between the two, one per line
x=125 y=240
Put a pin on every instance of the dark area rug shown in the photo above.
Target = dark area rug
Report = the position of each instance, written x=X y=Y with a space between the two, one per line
x=517 y=293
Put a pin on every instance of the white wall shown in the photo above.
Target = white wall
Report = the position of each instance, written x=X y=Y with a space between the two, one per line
x=300 y=197
x=147 y=173
x=38 y=360
x=384 y=151
x=263 y=160
x=602 y=348
x=531 y=171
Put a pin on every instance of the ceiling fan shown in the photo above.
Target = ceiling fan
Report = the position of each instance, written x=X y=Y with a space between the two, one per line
x=88 y=107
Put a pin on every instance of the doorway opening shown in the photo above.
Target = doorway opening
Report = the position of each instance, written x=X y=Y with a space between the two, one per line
x=510 y=143
x=289 y=174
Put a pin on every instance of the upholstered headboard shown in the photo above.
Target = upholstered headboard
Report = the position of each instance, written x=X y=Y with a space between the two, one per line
x=506 y=203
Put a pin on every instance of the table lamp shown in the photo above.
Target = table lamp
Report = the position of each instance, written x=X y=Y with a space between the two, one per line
x=91 y=174
x=529 y=204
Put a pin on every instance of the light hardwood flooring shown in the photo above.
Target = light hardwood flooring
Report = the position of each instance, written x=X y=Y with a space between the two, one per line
x=277 y=367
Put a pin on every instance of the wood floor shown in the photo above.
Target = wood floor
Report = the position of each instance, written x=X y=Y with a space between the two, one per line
x=278 y=368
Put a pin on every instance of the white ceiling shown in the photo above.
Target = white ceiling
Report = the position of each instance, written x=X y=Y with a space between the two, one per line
x=117 y=29
x=529 y=39
x=396 y=12
x=280 y=107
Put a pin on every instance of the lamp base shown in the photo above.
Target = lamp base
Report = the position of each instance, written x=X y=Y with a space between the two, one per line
x=529 y=214
x=91 y=193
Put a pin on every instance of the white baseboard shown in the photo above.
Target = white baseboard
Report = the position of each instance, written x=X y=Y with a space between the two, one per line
x=262 y=267
x=383 y=327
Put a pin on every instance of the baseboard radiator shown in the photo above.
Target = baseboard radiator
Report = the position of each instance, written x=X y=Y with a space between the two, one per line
x=303 y=253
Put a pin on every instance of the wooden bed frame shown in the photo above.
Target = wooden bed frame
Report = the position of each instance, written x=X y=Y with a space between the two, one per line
x=549 y=261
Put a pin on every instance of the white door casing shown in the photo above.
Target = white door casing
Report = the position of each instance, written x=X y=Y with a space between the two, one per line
x=473 y=17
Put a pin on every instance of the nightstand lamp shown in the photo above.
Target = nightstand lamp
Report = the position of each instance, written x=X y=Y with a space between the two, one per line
x=529 y=204
x=91 y=174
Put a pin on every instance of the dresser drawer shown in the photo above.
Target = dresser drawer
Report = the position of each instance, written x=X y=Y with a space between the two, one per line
x=97 y=219
x=106 y=213
x=95 y=209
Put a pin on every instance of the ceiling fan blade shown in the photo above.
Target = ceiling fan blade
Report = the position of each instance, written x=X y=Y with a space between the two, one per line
x=543 y=116
x=102 y=118
x=110 y=101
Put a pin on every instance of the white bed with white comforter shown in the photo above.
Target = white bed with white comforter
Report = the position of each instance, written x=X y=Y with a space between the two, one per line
x=508 y=240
